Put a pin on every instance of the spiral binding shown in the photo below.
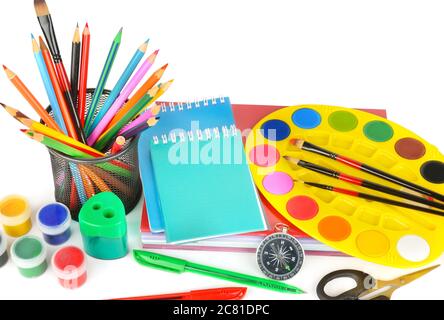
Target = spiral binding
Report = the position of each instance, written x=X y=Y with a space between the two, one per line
x=199 y=135
x=181 y=106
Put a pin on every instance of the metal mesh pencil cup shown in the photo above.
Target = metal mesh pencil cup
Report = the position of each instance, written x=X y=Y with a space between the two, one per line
x=77 y=180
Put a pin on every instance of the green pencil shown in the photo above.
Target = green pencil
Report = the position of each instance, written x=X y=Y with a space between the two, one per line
x=166 y=263
x=114 y=130
x=92 y=110
x=73 y=152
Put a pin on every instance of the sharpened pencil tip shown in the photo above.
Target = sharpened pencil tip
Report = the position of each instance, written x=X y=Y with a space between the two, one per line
x=3 y=105
x=86 y=25
x=4 y=67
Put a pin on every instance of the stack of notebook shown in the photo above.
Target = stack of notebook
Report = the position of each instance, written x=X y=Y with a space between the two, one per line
x=198 y=189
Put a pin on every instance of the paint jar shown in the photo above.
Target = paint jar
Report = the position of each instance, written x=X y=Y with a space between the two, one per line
x=29 y=255
x=54 y=221
x=103 y=227
x=69 y=265
x=3 y=250
x=15 y=216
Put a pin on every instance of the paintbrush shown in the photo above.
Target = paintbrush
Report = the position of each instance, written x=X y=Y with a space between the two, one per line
x=309 y=147
x=45 y=20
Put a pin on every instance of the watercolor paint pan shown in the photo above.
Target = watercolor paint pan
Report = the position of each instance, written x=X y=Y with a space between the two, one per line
x=372 y=231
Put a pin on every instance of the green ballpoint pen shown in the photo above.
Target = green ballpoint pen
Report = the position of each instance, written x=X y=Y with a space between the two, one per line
x=166 y=263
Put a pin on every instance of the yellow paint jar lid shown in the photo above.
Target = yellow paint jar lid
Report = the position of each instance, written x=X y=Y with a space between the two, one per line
x=14 y=210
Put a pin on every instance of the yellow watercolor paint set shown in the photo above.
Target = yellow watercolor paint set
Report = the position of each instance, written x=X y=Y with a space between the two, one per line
x=376 y=232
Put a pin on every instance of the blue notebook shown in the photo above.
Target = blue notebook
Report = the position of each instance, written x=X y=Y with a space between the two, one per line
x=204 y=185
x=212 y=113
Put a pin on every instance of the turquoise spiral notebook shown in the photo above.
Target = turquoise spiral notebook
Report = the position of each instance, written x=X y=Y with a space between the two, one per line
x=204 y=185
x=177 y=117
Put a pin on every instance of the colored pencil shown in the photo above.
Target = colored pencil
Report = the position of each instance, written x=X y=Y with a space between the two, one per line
x=143 y=118
x=140 y=128
x=83 y=82
x=73 y=152
x=45 y=20
x=101 y=185
x=111 y=133
x=32 y=100
x=118 y=145
x=129 y=88
x=155 y=77
x=87 y=183
x=55 y=107
x=73 y=196
x=163 y=88
x=373 y=198
x=306 y=146
x=102 y=81
x=362 y=182
x=34 y=125
x=115 y=183
x=129 y=70
x=75 y=65
x=64 y=108
x=77 y=177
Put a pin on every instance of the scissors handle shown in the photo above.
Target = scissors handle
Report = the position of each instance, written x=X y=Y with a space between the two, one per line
x=363 y=281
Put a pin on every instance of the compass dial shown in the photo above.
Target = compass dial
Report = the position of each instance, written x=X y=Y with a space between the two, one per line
x=280 y=256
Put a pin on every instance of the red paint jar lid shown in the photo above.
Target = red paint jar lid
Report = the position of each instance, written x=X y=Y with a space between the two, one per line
x=69 y=263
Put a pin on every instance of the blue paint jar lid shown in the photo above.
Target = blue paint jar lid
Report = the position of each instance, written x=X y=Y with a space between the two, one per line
x=54 y=219
x=3 y=244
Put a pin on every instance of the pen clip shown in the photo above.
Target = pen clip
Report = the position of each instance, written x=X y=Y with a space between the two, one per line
x=158 y=261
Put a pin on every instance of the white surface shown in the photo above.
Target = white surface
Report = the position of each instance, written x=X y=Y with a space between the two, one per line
x=366 y=54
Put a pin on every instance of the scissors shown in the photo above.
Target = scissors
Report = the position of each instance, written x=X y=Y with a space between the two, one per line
x=367 y=287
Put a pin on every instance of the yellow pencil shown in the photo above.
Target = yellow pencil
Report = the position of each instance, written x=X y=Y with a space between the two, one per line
x=38 y=127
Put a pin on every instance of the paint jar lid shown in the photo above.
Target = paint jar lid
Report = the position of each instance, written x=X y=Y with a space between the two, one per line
x=3 y=244
x=28 y=252
x=103 y=216
x=54 y=219
x=69 y=263
x=14 y=210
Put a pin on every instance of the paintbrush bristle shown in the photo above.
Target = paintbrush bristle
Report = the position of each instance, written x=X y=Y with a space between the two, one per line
x=298 y=143
x=292 y=160
x=41 y=9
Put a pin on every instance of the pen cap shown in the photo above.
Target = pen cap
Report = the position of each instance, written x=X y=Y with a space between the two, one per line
x=159 y=261
x=103 y=216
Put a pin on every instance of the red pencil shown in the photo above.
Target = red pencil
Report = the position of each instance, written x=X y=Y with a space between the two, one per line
x=211 y=294
x=64 y=108
x=86 y=38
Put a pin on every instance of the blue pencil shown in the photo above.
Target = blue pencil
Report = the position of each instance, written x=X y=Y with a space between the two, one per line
x=120 y=84
x=48 y=85
x=102 y=82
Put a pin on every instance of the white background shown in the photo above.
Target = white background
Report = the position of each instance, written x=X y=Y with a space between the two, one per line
x=359 y=54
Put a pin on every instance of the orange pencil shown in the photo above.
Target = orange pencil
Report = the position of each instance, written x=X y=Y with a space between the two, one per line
x=101 y=185
x=15 y=80
x=58 y=91
x=138 y=95
x=87 y=183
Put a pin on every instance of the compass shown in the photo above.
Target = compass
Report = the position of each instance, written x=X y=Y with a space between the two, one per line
x=280 y=255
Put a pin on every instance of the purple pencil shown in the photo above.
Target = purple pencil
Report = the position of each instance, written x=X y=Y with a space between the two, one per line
x=129 y=88
x=143 y=118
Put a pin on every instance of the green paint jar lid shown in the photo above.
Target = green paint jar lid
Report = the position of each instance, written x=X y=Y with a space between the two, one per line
x=103 y=216
x=28 y=252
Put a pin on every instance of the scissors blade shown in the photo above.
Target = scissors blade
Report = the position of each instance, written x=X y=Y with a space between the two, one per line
x=406 y=279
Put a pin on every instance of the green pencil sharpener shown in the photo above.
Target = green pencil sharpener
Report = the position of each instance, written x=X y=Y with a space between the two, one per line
x=103 y=227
